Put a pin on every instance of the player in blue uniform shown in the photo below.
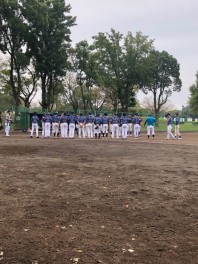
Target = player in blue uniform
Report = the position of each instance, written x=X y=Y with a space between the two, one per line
x=64 y=120
x=89 y=121
x=81 y=125
x=169 y=127
x=55 y=124
x=47 y=120
x=136 y=126
x=43 y=124
x=150 y=121
x=72 y=124
x=8 y=121
x=177 y=121
x=105 y=125
x=97 y=126
x=115 y=128
x=124 y=121
x=35 y=120
x=130 y=125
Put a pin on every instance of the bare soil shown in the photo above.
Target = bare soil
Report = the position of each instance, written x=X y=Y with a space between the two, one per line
x=98 y=201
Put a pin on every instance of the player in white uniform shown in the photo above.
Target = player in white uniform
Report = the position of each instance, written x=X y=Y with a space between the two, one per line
x=35 y=120
x=8 y=121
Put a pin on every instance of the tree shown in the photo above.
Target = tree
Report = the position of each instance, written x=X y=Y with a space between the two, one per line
x=193 y=100
x=148 y=104
x=119 y=59
x=160 y=76
x=84 y=65
x=13 y=33
x=48 y=43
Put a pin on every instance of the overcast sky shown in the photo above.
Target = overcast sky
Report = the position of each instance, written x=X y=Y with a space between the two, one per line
x=172 y=23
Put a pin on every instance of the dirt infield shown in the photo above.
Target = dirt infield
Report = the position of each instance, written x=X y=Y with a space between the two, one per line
x=98 y=201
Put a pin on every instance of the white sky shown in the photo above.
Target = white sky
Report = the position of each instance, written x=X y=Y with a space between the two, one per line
x=172 y=23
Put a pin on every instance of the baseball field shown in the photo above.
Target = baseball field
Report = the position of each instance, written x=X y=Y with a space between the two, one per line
x=98 y=201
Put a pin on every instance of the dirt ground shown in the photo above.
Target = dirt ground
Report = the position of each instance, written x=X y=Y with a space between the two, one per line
x=98 y=201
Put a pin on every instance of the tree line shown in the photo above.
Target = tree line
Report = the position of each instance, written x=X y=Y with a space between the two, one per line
x=35 y=38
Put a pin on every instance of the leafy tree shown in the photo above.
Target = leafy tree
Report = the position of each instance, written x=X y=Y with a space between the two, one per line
x=84 y=65
x=12 y=42
x=48 y=43
x=119 y=59
x=160 y=76
x=193 y=100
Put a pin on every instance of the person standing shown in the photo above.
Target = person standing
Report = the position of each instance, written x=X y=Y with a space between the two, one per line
x=169 y=127
x=55 y=124
x=115 y=128
x=89 y=122
x=72 y=124
x=81 y=125
x=47 y=120
x=97 y=126
x=64 y=119
x=43 y=124
x=35 y=120
x=130 y=125
x=8 y=121
x=136 y=126
x=140 y=124
x=124 y=122
x=150 y=121
x=105 y=125
x=177 y=122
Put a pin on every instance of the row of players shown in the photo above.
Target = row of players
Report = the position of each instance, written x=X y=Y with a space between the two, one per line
x=91 y=126
x=87 y=126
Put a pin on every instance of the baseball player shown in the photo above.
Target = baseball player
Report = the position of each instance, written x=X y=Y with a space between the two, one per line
x=89 y=121
x=177 y=121
x=150 y=121
x=169 y=127
x=124 y=121
x=136 y=126
x=43 y=124
x=64 y=120
x=115 y=128
x=8 y=121
x=140 y=124
x=47 y=120
x=55 y=124
x=130 y=125
x=81 y=125
x=35 y=120
x=72 y=124
x=98 y=126
x=105 y=125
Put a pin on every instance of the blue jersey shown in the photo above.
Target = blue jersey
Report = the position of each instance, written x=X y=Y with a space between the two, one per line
x=105 y=120
x=177 y=120
x=47 y=119
x=98 y=120
x=55 y=118
x=89 y=119
x=150 y=121
x=81 y=119
x=64 y=119
x=115 y=120
x=124 y=120
x=169 y=121
x=136 y=120
x=130 y=120
x=72 y=119
x=35 y=119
